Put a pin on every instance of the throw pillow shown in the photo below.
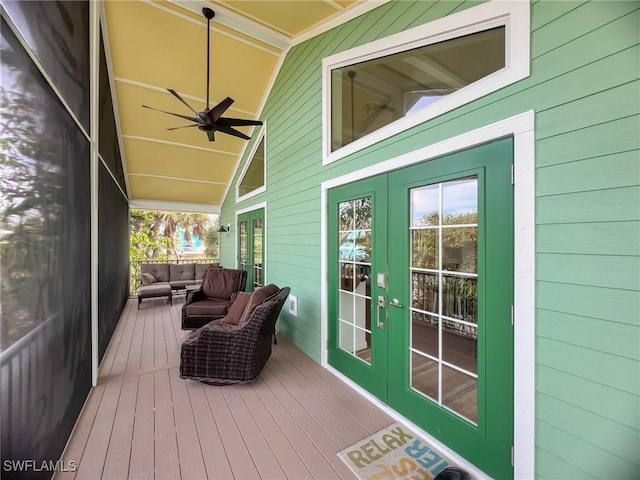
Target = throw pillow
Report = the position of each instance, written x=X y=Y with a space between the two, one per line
x=236 y=310
x=148 y=279
x=257 y=297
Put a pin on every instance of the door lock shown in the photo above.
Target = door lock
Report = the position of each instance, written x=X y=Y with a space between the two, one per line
x=381 y=301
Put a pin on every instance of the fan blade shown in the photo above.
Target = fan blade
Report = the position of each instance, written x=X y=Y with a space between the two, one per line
x=237 y=122
x=211 y=136
x=232 y=131
x=216 y=112
x=175 y=94
x=174 y=114
x=184 y=126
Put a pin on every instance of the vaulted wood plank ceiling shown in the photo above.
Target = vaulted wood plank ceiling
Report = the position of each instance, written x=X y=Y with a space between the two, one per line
x=155 y=45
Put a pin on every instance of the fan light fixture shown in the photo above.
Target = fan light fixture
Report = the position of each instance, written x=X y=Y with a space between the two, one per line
x=211 y=120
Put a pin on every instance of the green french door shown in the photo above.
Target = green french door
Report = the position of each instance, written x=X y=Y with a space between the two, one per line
x=251 y=247
x=420 y=296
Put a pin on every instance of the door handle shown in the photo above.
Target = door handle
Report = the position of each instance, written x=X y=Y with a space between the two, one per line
x=395 y=303
x=381 y=304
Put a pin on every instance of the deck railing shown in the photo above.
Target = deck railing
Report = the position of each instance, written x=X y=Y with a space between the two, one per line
x=25 y=382
x=135 y=268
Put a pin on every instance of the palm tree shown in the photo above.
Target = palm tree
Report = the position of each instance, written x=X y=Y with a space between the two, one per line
x=168 y=223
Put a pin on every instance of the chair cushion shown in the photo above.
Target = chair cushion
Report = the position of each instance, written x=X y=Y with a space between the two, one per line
x=221 y=282
x=181 y=283
x=158 y=270
x=184 y=271
x=148 y=279
x=201 y=269
x=155 y=290
x=237 y=308
x=260 y=295
x=211 y=307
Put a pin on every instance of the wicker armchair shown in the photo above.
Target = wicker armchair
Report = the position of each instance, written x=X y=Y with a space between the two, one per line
x=214 y=298
x=221 y=353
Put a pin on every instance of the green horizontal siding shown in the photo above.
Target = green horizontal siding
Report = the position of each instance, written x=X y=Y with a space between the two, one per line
x=616 y=338
x=606 y=238
x=611 y=205
x=615 y=438
x=603 y=400
x=592 y=459
x=584 y=88
x=619 y=306
x=589 y=270
x=622 y=136
x=619 y=170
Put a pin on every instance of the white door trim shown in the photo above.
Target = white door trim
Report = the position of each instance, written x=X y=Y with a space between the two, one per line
x=521 y=127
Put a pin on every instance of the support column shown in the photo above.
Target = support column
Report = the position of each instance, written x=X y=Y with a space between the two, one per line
x=94 y=89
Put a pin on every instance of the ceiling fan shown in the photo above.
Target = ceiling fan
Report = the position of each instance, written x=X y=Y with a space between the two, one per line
x=211 y=120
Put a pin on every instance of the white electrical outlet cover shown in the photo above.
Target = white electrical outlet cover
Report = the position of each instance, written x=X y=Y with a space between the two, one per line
x=293 y=305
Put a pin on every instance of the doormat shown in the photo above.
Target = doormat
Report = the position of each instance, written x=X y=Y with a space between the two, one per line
x=394 y=453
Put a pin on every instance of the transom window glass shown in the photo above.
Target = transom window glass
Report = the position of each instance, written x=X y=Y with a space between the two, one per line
x=253 y=177
x=369 y=95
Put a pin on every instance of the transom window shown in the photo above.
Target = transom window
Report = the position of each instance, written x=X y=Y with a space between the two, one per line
x=252 y=180
x=385 y=87
x=372 y=94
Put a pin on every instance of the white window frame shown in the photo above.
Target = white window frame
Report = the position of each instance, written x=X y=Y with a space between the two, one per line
x=252 y=153
x=513 y=15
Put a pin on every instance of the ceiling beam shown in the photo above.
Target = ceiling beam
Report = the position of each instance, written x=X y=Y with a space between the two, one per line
x=147 y=86
x=338 y=19
x=175 y=144
x=158 y=205
x=179 y=179
x=231 y=19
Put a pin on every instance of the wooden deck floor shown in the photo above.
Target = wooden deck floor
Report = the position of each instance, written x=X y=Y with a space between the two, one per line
x=143 y=421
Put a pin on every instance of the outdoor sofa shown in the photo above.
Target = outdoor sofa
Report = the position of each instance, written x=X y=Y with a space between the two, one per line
x=161 y=279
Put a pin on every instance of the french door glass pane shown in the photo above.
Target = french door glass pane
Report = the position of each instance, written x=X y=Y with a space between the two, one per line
x=424 y=375
x=460 y=393
x=444 y=294
x=243 y=245
x=257 y=253
x=354 y=267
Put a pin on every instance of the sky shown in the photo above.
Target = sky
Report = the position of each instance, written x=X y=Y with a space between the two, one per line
x=459 y=196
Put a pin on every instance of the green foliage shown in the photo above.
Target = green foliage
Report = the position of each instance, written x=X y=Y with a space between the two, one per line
x=145 y=242
x=212 y=240
x=154 y=236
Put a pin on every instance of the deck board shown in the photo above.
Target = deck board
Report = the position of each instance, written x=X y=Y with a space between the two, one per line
x=259 y=448
x=166 y=446
x=144 y=421
x=141 y=463
x=213 y=450
x=291 y=464
x=119 y=451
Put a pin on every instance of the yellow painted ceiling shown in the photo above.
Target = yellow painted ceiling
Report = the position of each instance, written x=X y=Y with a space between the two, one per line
x=155 y=45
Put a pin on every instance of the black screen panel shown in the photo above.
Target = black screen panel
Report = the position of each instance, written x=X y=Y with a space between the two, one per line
x=113 y=257
x=44 y=264
x=58 y=33
x=108 y=138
